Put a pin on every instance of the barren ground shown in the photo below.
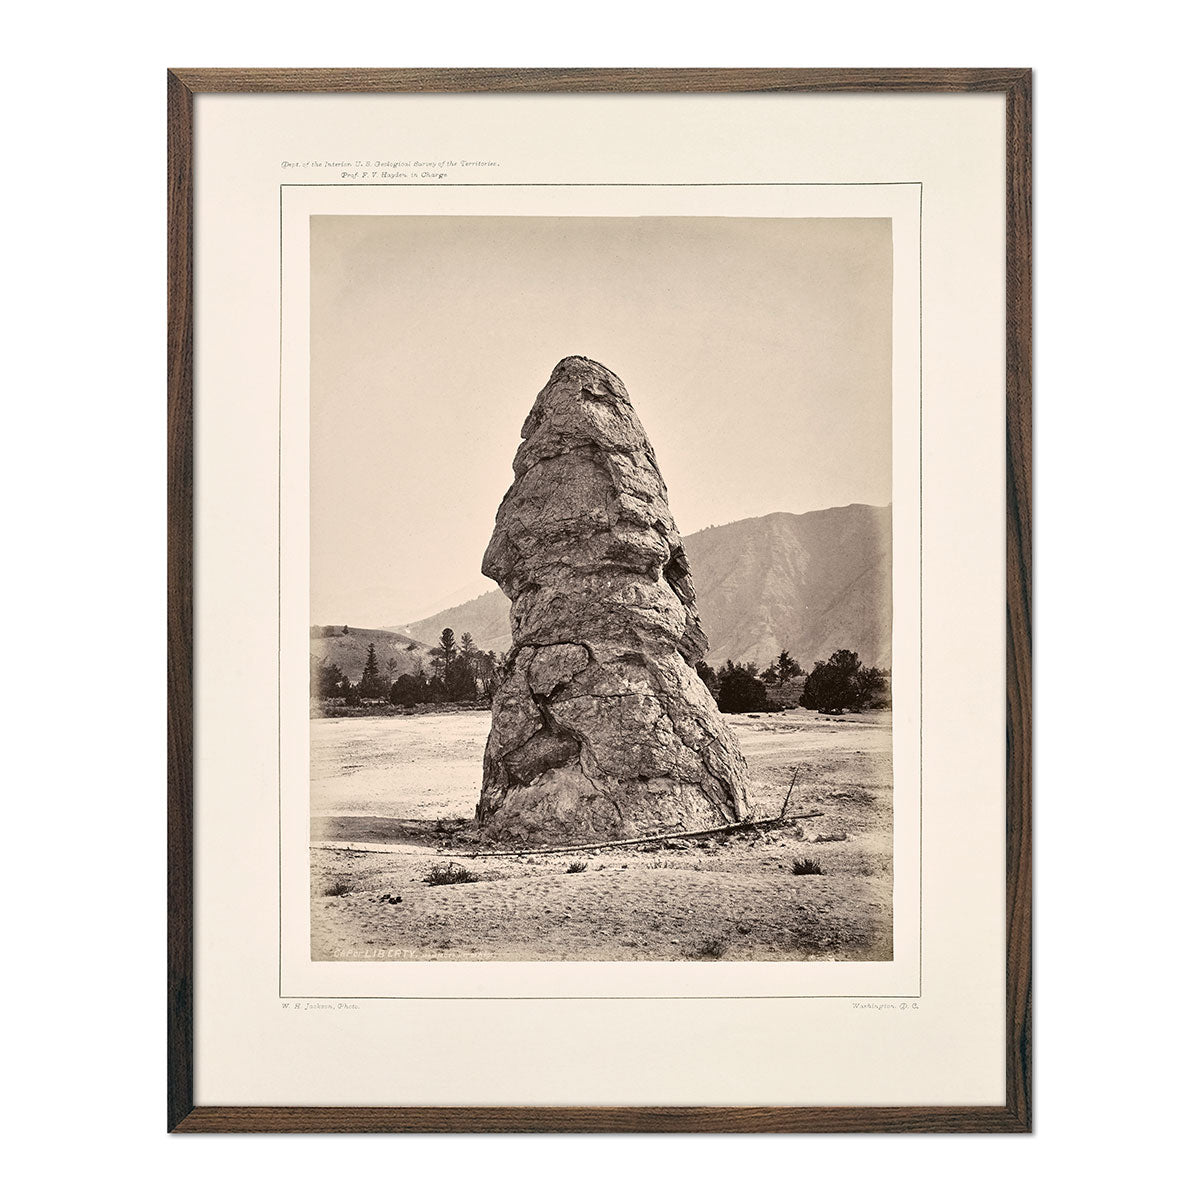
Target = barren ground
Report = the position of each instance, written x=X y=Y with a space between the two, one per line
x=393 y=797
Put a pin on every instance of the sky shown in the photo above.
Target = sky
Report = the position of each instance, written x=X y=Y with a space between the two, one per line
x=756 y=351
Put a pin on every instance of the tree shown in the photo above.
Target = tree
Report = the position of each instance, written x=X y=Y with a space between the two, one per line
x=408 y=691
x=876 y=688
x=489 y=673
x=333 y=681
x=836 y=685
x=447 y=651
x=460 y=679
x=731 y=667
x=786 y=667
x=372 y=686
x=345 y=628
x=708 y=677
x=741 y=691
x=481 y=666
x=328 y=680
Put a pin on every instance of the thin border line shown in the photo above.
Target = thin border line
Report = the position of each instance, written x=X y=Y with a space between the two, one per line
x=279 y=607
x=760 y=183
x=919 y=184
x=614 y=999
x=920 y=602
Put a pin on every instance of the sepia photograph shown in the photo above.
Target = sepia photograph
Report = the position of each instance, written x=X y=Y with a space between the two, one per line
x=601 y=588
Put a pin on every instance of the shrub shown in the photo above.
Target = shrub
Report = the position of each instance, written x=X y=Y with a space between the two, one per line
x=450 y=873
x=575 y=867
x=408 y=691
x=328 y=680
x=708 y=677
x=843 y=684
x=740 y=691
x=339 y=887
x=806 y=866
x=876 y=688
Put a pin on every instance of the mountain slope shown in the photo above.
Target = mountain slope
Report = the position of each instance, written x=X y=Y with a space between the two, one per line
x=485 y=618
x=809 y=583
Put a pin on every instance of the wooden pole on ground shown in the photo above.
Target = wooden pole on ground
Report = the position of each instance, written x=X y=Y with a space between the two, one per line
x=655 y=837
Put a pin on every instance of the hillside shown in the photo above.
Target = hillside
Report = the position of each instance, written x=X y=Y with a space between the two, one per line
x=485 y=618
x=811 y=583
x=348 y=651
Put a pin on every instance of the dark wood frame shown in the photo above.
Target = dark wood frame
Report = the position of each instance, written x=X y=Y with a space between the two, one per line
x=1015 y=1115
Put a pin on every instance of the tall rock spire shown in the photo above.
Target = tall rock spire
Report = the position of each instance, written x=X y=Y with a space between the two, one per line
x=601 y=728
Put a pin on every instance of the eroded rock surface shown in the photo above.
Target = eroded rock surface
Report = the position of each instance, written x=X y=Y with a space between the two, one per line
x=601 y=728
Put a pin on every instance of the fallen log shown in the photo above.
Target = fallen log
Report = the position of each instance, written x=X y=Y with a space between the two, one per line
x=741 y=827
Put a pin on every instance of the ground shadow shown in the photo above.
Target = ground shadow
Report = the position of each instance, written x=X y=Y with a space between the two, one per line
x=353 y=827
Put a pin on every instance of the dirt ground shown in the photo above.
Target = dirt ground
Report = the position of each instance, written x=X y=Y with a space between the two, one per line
x=393 y=798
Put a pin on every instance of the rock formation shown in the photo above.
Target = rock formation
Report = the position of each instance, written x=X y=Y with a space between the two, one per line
x=601 y=728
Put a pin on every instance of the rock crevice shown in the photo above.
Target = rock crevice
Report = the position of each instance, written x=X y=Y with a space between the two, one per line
x=601 y=727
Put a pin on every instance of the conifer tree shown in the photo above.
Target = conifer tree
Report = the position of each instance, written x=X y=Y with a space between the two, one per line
x=447 y=650
x=372 y=684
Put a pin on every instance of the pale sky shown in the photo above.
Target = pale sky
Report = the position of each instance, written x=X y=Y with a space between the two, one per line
x=757 y=352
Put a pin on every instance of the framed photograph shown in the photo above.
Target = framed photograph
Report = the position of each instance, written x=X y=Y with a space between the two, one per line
x=599 y=600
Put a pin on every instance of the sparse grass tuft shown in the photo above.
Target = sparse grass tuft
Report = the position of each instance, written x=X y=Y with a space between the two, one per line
x=339 y=887
x=450 y=873
x=712 y=948
x=806 y=866
x=577 y=866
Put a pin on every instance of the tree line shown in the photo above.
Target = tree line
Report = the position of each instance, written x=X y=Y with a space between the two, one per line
x=458 y=671
x=839 y=684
